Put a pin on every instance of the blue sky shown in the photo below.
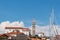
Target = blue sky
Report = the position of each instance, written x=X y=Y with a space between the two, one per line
x=26 y=10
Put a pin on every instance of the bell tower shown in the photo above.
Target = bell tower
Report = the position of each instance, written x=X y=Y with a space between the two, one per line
x=33 y=27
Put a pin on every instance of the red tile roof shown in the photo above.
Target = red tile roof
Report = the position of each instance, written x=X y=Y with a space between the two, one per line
x=9 y=34
x=15 y=33
x=1 y=34
x=24 y=29
x=15 y=28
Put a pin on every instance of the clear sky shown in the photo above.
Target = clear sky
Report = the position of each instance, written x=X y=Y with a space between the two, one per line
x=26 y=10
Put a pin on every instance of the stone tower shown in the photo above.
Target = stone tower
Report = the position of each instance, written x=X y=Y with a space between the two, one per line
x=33 y=27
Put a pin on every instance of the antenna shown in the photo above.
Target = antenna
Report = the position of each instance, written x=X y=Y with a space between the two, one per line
x=52 y=28
x=51 y=25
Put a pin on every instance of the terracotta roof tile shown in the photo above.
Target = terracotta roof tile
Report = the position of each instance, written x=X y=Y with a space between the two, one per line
x=9 y=34
x=15 y=28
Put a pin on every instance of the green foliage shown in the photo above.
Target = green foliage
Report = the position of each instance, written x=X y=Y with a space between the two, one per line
x=3 y=38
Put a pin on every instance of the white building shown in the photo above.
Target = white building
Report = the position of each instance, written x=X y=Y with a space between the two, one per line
x=20 y=29
x=41 y=34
